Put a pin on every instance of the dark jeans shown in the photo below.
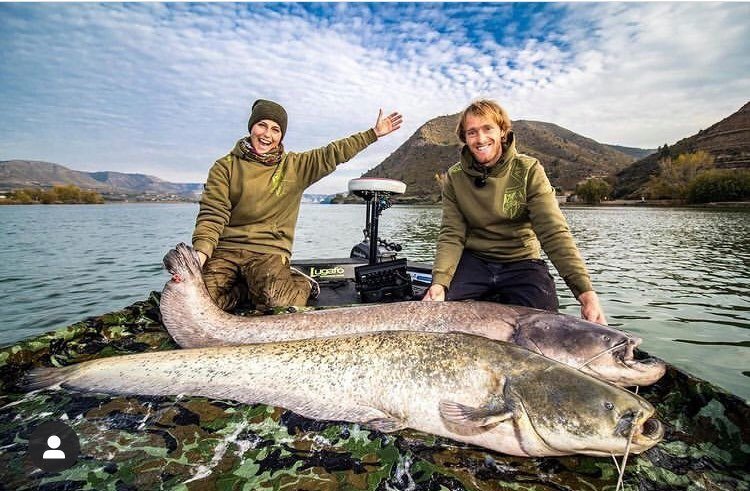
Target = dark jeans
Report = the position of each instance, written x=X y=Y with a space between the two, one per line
x=526 y=282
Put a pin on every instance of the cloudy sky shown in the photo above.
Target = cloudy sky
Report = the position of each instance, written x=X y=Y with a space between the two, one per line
x=165 y=89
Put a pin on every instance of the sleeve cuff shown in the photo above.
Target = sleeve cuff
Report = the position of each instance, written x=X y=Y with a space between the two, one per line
x=204 y=246
x=442 y=279
x=579 y=285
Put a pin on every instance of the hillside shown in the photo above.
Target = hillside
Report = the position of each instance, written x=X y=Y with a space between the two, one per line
x=728 y=141
x=637 y=153
x=16 y=174
x=566 y=156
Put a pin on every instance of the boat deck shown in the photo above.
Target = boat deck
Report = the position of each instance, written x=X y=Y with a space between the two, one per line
x=336 y=278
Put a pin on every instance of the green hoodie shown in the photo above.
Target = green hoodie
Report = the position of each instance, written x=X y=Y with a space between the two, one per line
x=513 y=217
x=253 y=206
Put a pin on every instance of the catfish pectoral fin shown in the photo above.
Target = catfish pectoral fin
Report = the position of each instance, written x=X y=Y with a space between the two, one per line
x=471 y=416
x=385 y=425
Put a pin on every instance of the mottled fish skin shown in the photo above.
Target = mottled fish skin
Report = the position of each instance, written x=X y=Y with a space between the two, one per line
x=195 y=321
x=468 y=388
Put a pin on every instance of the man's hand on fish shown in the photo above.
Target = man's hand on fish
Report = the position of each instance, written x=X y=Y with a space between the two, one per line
x=591 y=310
x=436 y=293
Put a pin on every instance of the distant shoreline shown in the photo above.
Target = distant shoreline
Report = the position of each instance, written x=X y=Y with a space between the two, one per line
x=608 y=203
x=117 y=202
x=661 y=204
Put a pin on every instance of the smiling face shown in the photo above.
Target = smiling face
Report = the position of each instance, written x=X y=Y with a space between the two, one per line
x=484 y=138
x=265 y=136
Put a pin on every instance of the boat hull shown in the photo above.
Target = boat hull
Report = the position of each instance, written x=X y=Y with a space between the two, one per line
x=155 y=442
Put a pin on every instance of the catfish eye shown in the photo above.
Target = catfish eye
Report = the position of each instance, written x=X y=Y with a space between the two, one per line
x=607 y=338
x=609 y=406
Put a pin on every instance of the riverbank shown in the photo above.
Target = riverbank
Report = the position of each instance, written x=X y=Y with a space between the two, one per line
x=661 y=203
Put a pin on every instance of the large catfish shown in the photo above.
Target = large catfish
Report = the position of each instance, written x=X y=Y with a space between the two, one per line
x=468 y=388
x=194 y=321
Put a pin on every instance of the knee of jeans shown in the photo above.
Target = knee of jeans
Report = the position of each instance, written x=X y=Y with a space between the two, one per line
x=222 y=299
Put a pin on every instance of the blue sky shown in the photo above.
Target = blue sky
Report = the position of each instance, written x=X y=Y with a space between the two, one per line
x=165 y=89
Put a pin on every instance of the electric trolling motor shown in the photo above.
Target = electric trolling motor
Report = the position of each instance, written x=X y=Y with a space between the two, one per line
x=383 y=278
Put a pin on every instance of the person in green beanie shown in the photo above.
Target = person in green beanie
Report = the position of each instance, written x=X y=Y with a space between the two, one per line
x=499 y=213
x=248 y=211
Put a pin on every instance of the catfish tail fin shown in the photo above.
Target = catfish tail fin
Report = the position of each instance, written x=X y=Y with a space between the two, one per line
x=46 y=377
x=183 y=261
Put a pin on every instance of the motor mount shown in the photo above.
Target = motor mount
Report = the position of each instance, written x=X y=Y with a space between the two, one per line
x=384 y=278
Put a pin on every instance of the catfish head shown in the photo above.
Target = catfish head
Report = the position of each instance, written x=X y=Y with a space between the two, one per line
x=571 y=410
x=601 y=351
x=557 y=410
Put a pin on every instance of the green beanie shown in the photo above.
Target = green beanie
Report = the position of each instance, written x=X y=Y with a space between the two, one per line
x=263 y=109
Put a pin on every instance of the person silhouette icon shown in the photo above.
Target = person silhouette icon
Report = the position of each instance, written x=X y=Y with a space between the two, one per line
x=53 y=442
x=53 y=446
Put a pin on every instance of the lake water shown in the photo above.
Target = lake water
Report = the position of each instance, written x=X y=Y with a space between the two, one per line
x=678 y=278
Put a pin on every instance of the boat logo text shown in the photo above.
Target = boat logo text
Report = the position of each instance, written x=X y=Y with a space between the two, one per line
x=336 y=271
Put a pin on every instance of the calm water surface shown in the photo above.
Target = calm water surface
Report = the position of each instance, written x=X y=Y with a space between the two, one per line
x=678 y=278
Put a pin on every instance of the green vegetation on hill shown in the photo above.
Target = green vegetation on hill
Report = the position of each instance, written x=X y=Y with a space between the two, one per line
x=693 y=178
x=728 y=141
x=593 y=191
x=58 y=194
x=717 y=185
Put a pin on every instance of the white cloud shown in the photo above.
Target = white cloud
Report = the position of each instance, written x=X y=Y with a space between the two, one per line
x=165 y=89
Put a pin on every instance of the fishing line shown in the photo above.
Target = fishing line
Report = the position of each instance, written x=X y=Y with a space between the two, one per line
x=617 y=464
x=627 y=450
x=608 y=350
x=537 y=347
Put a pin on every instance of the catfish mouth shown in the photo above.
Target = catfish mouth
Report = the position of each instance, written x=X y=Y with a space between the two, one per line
x=648 y=370
x=644 y=371
x=645 y=433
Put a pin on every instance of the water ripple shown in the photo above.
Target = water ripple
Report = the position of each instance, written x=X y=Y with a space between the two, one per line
x=680 y=279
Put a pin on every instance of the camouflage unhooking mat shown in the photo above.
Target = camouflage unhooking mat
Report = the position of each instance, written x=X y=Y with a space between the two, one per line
x=197 y=443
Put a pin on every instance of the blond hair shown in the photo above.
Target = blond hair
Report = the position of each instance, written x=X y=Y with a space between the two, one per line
x=485 y=108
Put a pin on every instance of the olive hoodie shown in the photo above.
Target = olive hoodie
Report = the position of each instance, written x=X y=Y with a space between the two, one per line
x=254 y=206
x=513 y=217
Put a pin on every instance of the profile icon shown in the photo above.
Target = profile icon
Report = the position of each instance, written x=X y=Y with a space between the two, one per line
x=53 y=446
x=54 y=452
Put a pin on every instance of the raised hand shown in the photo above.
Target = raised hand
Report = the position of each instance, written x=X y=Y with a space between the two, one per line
x=388 y=124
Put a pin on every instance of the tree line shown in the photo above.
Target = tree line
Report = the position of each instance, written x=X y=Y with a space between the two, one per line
x=68 y=194
x=689 y=178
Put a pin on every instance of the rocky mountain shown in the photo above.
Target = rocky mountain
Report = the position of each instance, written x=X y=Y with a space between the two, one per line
x=728 y=141
x=566 y=156
x=16 y=174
